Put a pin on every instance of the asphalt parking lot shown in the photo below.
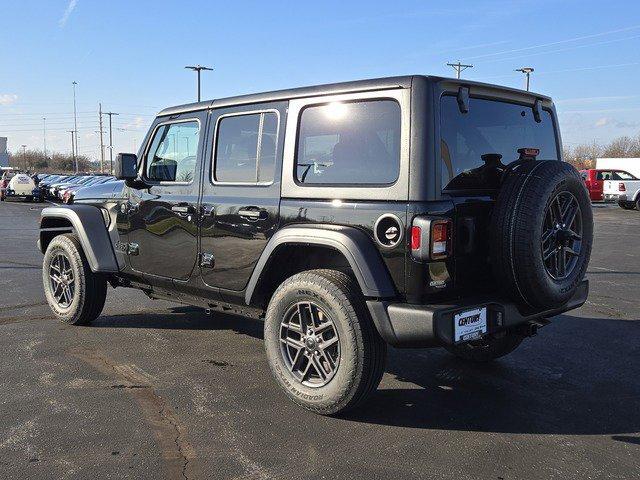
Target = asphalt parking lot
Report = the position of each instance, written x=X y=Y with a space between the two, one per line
x=158 y=390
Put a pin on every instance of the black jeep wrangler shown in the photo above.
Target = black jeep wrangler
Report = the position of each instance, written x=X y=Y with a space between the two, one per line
x=416 y=211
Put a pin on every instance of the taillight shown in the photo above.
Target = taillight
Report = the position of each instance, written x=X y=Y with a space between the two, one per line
x=430 y=238
x=440 y=239
x=416 y=234
x=621 y=187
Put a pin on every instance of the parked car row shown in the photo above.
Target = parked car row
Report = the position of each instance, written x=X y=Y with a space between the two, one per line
x=64 y=187
x=616 y=186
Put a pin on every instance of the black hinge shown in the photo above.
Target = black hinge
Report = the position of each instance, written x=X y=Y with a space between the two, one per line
x=207 y=260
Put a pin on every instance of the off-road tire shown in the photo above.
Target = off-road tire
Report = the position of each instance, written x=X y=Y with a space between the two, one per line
x=90 y=288
x=516 y=230
x=627 y=205
x=486 y=349
x=362 y=350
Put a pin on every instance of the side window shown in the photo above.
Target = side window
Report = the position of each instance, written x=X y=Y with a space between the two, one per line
x=349 y=143
x=246 y=148
x=173 y=152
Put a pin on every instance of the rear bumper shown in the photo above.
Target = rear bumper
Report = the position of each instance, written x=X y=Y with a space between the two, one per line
x=615 y=197
x=407 y=325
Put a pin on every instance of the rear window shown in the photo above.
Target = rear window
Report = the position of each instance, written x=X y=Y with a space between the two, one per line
x=350 y=143
x=489 y=127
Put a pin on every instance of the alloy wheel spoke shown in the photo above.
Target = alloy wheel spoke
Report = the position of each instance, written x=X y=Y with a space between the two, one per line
x=292 y=343
x=328 y=343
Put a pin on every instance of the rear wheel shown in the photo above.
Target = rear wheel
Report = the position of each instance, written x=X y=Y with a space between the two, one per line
x=321 y=344
x=74 y=293
x=487 y=349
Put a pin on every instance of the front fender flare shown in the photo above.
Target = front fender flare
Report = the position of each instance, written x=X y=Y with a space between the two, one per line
x=356 y=246
x=88 y=224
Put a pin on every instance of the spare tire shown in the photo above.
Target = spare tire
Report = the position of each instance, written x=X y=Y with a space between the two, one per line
x=541 y=232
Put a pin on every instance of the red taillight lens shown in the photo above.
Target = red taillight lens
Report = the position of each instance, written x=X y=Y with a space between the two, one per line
x=440 y=239
x=416 y=233
x=621 y=187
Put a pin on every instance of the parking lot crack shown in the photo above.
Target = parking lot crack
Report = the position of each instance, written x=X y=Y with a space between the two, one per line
x=169 y=432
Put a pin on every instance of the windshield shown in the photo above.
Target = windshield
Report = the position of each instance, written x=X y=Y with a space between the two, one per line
x=489 y=128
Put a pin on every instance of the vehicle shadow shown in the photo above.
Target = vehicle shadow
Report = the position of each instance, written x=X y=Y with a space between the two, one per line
x=183 y=318
x=578 y=377
x=559 y=382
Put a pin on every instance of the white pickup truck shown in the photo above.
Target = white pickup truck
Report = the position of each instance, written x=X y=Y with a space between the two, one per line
x=626 y=192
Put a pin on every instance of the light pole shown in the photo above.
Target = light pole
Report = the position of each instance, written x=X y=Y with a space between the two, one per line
x=75 y=127
x=198 y=68
x=111 y=114
x=44 y=137
x=527 y=72
x=24 y=156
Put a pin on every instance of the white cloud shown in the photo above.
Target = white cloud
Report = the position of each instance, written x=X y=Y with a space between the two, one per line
x=602 y=122
x=608 y=121
x=137 y=124
x=65 y=16
x=8 y=98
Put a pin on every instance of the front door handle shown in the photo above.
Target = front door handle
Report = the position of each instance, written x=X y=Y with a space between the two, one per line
x=254 y=213
x=183 y=209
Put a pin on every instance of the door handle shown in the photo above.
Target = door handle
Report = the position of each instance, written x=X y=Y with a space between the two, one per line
x=253 y=213
x=183 y=209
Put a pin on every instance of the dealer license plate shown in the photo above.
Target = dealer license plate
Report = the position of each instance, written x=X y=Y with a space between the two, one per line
x=470 y=324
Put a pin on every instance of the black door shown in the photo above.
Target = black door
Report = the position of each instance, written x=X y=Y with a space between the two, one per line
x=241 y=192
x=163 y=236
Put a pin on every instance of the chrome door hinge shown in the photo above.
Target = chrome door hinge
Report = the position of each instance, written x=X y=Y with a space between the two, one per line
x=207 y=260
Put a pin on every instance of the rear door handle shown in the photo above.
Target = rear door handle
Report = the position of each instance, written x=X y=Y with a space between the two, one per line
x=253 y=213
x=183 y=209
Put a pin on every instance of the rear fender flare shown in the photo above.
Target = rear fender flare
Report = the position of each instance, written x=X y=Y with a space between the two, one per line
x=356 y=246
x=88 y=224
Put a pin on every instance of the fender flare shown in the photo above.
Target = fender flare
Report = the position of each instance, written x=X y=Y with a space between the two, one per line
x=356 y=246
x=87 y=223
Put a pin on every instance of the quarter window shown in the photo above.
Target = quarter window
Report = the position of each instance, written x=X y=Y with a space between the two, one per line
x=246 y=148
x=354 y=143
x=173 y=152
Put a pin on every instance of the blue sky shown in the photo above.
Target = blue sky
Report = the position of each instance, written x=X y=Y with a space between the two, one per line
x=130 y=55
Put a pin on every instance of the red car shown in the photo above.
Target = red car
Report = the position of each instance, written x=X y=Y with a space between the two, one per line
x=594 y=180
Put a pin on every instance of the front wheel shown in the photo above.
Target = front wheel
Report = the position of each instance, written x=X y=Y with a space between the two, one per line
x=321 y=344
x=74 y=293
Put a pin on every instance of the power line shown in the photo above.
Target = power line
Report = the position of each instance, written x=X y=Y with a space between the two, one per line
x=111 y=114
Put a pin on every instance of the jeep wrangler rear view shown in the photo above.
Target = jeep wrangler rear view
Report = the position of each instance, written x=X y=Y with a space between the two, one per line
x=413 y=211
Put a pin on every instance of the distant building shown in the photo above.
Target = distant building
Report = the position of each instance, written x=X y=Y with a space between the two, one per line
x=4 y=156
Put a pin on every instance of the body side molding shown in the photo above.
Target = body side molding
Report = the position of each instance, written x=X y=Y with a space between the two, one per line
x=359 y=250
x=86 y=222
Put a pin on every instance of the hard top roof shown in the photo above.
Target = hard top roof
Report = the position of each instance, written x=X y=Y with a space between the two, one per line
x=330 y=89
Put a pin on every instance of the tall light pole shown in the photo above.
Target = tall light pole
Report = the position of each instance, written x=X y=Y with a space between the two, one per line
x=198 y=69
x=527 y=72
x=24 y=156
x=72 y=146
x=44 y=137
x=75 y=127
x=459 y=67
x=111 y=138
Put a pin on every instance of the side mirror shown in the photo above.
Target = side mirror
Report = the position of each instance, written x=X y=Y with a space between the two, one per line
x=126 y=166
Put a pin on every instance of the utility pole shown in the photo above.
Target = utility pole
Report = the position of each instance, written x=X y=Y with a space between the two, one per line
x=44 y=137
x=75 y=127
x=459 y=67
x=198 y=68
x=101 y=142
x=527 y=72
x=111 y=139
